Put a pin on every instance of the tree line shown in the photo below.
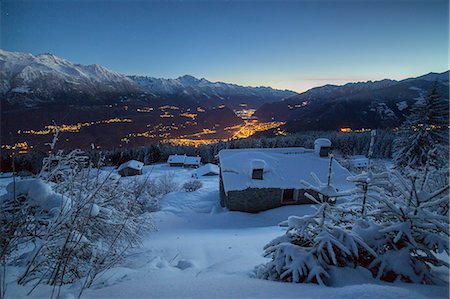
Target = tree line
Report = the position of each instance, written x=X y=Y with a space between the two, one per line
x=345 y=144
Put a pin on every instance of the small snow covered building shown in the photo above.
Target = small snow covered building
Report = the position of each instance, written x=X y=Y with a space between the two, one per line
x=130 y=168
x=192 y=162
x=184 y=161
x=208 y=170
x=176 y=160
x=253 y=180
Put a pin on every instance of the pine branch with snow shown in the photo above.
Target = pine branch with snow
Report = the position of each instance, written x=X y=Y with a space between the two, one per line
x=311 y=246
x=406 y=229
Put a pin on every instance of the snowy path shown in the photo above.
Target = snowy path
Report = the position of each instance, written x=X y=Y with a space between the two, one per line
x=203 y=251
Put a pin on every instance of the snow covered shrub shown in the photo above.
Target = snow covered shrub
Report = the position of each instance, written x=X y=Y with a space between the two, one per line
x=104 y=219
x=60 y=166
x=166 y=183
x=26 y=210
x=192 y=185
x=311 y=245
x=148 y=194
x=74 y=227
x=406 y=229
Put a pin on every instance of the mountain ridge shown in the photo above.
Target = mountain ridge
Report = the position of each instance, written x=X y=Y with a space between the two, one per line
x=371 y=104
x=45 y=78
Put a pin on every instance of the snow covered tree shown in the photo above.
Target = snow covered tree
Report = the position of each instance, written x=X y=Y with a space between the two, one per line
x=405 y=227
x=367 y=184
x=424 y=135
x=312 y=245
x=396 y=227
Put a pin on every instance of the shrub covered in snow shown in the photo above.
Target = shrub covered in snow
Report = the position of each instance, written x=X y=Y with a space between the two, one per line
x=26 y=210
x=192 y=185
x=166 y=183
x=147 y=193
x=104 y=219
x=79 y=226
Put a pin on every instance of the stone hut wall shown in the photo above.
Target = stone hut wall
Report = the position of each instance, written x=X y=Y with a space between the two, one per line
x=129 y=172
x=253 y=199
x=256 y=200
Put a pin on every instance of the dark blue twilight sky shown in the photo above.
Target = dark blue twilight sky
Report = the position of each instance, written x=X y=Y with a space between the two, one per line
x=284 y=44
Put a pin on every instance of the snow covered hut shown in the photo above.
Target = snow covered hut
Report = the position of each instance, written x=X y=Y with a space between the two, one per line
x=192 y=162
x=131 y=167
x=253 y=180
x=184 y=161
x=208 y=170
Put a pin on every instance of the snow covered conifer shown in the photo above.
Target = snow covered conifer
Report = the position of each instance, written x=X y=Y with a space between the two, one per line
x=406 y=230
x=312 y=245
x=424 y=131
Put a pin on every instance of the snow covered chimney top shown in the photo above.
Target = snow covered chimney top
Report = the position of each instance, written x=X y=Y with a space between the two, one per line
x=258 y=166
x=322 y=147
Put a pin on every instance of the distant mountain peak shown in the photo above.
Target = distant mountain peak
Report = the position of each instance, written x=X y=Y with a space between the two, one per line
x=215 y=93
x=187 y=77
x=432 y=76
x=32 y=79
x=44 y=78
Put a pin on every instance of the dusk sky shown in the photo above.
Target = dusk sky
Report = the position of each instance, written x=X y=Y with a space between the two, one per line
x=283 y=44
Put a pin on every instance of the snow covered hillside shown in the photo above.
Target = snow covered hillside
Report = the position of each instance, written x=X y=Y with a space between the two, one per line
x=203 y=251
x=30 y=79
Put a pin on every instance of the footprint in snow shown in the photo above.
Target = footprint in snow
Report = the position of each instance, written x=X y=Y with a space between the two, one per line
x=184 y=264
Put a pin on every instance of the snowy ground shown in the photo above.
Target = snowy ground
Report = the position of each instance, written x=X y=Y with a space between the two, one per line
x=203 y=251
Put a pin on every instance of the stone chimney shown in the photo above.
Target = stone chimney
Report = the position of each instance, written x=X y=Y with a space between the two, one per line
x=258 y=169
x=322 y=147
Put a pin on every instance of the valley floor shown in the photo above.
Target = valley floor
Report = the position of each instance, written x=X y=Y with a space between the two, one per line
x=200 y=250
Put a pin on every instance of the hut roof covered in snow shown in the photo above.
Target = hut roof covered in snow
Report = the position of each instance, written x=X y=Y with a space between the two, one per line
x=184 y=160
x=133 y=164
x=192 y=160
x=283 y=168
x=208 y=169
x=176 y=159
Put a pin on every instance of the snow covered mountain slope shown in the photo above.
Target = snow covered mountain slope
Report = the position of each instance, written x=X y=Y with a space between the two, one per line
x=28 y=79
x=439 y=77
x=31 y=80
x=379 y=104
x=203 y=90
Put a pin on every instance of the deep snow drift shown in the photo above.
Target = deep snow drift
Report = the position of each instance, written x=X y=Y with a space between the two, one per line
x=203 y=251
